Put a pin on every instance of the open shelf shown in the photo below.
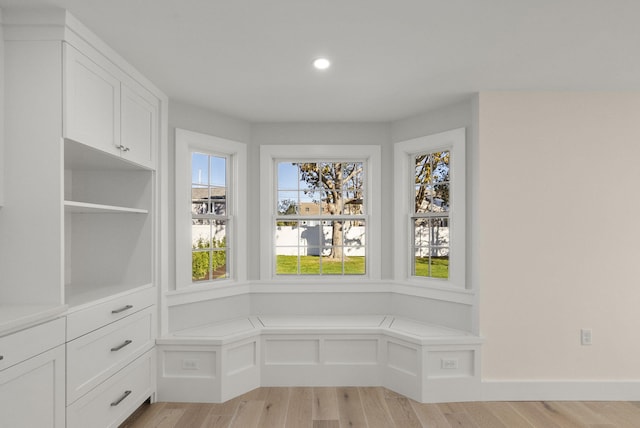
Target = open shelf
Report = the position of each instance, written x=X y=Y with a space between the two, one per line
x=89 y=208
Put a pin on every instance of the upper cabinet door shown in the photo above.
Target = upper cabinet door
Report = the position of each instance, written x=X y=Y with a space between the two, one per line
x=91 y=103
x=139 y=121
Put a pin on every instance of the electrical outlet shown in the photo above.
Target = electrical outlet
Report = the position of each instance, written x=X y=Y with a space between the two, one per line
x=190 y=365
x=586 y=336
x=449 y=363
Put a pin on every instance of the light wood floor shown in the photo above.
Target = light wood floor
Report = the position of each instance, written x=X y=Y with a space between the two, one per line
x=353 y=407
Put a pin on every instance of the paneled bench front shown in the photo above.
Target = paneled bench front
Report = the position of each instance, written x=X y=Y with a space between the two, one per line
x=216 y=362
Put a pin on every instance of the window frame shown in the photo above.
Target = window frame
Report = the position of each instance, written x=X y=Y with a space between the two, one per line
x=404 y=198
x=270 y=155
x=188 y=142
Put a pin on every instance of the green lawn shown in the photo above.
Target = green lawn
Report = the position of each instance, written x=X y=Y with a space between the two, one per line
x=439 y=267
x=311 y=265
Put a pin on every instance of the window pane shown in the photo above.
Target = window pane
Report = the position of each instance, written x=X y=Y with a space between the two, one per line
x=309 y=203
x=287 y=202
x=287 y=260
x=287 y=176
x=431 y=247
x=310 y=233
x=310 y=262
x=199 y=199
x=355 y=261
x=441 y=166
x=287 y=234
x=201 y=233
x=432 y=182
x=200 y=265
x=218 y=171
x=200 y=168
x=440 y=263
x=439 y=231
x=219 y=264
x=440 y=197
x=421 y=262
x=354 y=233
x=421 y=232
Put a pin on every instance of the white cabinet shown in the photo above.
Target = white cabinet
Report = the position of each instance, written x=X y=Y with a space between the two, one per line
x=114 y=400
x=138 y=124
x=93 y=358
x=91 y=102
x=32 y=377
x=108 y=110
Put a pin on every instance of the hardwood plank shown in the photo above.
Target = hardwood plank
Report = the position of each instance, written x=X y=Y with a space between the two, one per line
x=374 y=407
x=325 y=404
x=217 y=421
x=578 y=412
x=326 y=424
x=274 y=412
x=229 y=407
x=430 y=415
x=299 y=410
x=620 y=414
x=507 y=414
x=248 y=414
x=165 y=418
x=194 y=414
x=401 y=411
x=483 y=416
x=456 y=414
x=350 y=410
x=532 y=412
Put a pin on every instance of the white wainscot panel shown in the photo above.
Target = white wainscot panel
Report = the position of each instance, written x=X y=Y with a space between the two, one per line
x=402 y=358
x=241 y=358
x=198 y=364
x=351 y=351
x=450 y=364
x=291 y=351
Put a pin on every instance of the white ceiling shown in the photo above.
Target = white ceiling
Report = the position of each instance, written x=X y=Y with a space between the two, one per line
x=251 y=59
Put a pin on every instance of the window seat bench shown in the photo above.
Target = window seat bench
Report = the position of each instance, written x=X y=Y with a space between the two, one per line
x=216 y=362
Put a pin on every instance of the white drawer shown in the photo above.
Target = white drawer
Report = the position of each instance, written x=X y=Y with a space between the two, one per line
x=94 y=357
x=85 y=320
x=32 y=341
x=114 y=400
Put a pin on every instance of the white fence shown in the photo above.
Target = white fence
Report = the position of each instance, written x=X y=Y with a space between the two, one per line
x=314 y=239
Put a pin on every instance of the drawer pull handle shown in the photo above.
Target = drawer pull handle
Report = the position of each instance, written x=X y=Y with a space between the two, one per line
x=119 y=400
x=122 y=309
x=1 y=357
x=119 y=347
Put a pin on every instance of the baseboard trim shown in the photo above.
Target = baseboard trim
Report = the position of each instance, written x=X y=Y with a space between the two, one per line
x=534 y=390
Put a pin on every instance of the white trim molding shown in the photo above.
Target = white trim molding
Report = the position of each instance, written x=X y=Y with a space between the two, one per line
x=370 y=154
x=560 y=390
x=186 y=141
x=454 y=141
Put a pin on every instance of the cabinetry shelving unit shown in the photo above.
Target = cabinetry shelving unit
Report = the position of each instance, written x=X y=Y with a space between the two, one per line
x=108 y=224
x=80 y=222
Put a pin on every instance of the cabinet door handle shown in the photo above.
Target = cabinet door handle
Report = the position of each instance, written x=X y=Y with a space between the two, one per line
x=122 y=309
x=123 y=148
x=1 y=357
x=119 y=347
x=119 y=400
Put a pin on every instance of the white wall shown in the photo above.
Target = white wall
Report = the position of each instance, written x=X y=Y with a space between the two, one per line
x=559 y=229
x=1 y=112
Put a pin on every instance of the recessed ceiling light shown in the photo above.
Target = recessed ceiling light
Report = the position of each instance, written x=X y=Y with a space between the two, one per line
x=321 y=63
